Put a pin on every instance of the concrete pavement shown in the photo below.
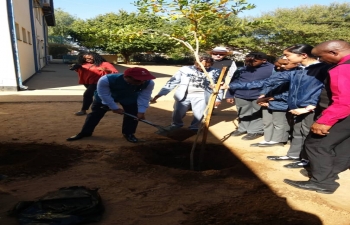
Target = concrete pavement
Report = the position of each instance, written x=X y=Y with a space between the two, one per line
x=55 y=82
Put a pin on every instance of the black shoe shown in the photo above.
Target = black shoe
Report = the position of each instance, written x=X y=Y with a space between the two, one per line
x=131 y=138
x=2 y=177
x=237 y=133
x=279 y=158
x=307 y=185
x=252 y=136
x=298 y=164
x=271 y=144
x=305 y=173
x=78 y=136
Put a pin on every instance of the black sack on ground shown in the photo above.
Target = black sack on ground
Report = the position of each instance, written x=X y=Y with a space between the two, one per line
x=69 y=205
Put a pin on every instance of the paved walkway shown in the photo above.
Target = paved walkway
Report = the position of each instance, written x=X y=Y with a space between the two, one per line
x=55 y=82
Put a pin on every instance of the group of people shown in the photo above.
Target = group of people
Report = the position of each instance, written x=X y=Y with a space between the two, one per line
x=302 y=97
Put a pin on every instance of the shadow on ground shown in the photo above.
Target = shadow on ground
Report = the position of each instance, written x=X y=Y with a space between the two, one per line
x=221 y=190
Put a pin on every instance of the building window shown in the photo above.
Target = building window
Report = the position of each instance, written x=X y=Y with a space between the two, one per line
x=18 y=35
x=24 y=35
x=29 y=38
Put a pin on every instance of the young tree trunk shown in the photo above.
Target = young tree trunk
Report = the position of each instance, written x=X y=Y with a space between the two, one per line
x=126 y=57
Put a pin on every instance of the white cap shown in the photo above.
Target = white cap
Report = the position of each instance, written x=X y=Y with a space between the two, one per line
x=220 y=49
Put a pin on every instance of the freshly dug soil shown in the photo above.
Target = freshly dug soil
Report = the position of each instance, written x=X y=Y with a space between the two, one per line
x=221 y=190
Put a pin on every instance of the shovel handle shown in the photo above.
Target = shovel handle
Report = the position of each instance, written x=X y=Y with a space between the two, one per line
x=135 y=117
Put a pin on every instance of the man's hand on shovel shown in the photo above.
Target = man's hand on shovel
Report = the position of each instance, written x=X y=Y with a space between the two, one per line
x=141 y=116
x=119 y=111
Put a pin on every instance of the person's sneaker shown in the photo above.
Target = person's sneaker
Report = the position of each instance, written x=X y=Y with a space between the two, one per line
x=271 y=144
x=298 y=164
x=80 y=113
x=252 y=136
x=237 y=133
x=259 y=143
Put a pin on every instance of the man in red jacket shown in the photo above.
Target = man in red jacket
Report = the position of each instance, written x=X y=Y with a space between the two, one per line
x=327 y=145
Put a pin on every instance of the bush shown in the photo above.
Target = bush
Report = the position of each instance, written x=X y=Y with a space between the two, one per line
x=58 y=50
x=158 y=59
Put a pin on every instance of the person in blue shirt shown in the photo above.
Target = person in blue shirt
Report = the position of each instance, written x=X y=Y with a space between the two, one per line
x=274 y=110
x=249 y=112
x=132 y=90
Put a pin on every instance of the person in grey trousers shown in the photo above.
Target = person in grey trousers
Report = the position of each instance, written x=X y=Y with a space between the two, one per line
x=193 y=90
x=249 y=112
x=275 y=106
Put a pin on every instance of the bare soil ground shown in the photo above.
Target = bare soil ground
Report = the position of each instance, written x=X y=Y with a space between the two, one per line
x=151 y=182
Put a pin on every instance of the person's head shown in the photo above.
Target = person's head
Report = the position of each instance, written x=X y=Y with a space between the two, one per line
x=299 y=53
x=218 y=53
x=255 y=59
x=137 y=75
x=290 y=65
x=90 y=57
x=206 y=61
x=280 y=64
x=331 y=52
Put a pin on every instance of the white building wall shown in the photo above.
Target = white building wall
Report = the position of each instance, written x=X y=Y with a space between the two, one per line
x=25 y=55
x=25 y=44
x=39 y=24
x=8 y=81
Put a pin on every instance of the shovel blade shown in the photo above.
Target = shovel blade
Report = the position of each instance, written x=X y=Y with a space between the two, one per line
x=178 y=134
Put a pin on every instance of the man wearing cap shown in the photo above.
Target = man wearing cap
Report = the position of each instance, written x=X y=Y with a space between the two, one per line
x=220 y=60
x=132 y=90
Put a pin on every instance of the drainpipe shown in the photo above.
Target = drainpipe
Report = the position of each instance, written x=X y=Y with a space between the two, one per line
x=33 y=36
x=45 y=32
x=12 y=26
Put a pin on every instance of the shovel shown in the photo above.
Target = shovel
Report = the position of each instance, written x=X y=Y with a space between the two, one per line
x=175 y=133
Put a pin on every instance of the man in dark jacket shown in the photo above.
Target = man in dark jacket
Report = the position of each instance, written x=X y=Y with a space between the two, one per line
x=249 y=112
x=132 y=90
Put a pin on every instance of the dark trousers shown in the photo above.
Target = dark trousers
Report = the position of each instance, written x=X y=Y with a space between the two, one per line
x=301 y=128
x=98 y=111
x=329 y=155
x=88 y=95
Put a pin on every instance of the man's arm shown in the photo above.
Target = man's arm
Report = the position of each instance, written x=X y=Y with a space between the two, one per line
x=340 y=107
x=144 y=97
x=169 y=86
x=276 y=80
x=109 y=68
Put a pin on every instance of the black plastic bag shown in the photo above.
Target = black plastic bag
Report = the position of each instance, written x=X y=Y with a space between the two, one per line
x=71 y=205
